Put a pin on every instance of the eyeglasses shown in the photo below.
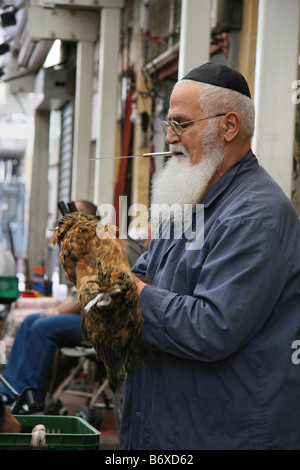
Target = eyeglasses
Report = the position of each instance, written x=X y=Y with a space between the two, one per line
x=177 y=127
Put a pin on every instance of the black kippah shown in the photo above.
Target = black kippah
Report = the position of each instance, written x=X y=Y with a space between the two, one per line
x=219 y=75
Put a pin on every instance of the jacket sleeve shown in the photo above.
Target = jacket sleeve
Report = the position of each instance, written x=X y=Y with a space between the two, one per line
x=236 y=290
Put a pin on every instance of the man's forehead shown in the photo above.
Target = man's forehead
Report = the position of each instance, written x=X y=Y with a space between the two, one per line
x=185 y=98
x=188 y=86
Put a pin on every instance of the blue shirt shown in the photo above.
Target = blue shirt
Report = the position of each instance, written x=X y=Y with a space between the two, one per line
x=222 y=321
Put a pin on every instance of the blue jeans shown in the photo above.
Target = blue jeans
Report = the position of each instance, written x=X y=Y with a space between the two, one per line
x=30 y=360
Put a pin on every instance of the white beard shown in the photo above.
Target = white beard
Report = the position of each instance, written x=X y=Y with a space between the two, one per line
x=180 y=183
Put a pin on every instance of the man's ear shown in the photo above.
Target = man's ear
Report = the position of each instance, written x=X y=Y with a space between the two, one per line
x=231 y=126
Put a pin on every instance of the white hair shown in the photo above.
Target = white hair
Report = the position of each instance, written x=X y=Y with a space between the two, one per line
x=215 y=100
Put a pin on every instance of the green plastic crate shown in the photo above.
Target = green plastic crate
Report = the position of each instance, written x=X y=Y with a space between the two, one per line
x=62 y=433
x=9 y=288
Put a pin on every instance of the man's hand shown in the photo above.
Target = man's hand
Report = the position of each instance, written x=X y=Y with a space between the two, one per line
x=139 y=283
x=50 y=313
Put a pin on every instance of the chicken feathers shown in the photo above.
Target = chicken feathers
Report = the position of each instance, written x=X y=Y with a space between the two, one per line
x=96 y=262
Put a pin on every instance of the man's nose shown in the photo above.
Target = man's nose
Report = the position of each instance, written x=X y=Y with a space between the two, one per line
x=171 y=137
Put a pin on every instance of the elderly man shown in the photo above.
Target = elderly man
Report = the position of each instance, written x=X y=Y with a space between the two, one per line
x=221 y=317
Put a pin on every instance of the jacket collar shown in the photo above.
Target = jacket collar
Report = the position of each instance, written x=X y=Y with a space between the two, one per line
x=233 y=176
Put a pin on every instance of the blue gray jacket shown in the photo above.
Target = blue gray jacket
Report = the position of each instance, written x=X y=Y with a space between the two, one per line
x=224 y=321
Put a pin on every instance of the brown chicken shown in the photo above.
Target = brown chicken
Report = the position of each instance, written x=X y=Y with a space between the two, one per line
x=95 y=260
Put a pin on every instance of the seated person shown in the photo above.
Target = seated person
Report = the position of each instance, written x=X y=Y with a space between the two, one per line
x=30 y=360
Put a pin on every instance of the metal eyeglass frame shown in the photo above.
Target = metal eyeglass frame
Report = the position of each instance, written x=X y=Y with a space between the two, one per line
x=177 y=126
